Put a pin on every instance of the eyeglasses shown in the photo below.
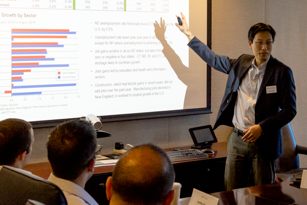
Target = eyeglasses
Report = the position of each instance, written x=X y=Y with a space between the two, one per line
x=260 y=44
x=98 y=149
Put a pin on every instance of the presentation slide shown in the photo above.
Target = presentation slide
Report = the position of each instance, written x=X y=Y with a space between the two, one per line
x=63 y=59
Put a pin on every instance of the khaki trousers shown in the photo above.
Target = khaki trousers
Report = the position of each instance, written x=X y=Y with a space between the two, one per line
x=244 y=165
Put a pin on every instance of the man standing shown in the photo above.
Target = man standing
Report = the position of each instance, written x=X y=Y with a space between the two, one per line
x=144 y=175
x=259 y=100
x=71 y=152
x=16 y=141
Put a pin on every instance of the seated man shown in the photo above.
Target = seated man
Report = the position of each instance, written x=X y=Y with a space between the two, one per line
x=16 y=141
x=19 y=186
x=71 y=152
x=144 y=175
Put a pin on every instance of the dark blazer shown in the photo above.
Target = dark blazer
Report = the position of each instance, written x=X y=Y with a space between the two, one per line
x=273 y=110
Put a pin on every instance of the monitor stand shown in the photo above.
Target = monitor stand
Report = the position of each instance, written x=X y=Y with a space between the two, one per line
x=202 y=146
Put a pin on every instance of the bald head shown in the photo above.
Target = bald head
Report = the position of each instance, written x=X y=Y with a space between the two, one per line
x=144 y=175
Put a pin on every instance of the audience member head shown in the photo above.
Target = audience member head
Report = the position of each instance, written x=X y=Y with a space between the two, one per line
x=143 y=175
x=16 y=141
x=71 y=149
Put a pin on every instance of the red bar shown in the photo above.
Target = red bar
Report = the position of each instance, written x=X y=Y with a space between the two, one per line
x=16 y=78
x=21 y=71
x=18 y=44
x=9 y=91
x=21 y=57
x=27 y=50
x=46 y=30
x=39 y=36
x=25 y=63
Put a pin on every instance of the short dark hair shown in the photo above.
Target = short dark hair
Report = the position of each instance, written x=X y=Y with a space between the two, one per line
x=71 y=146
x=142 y=184
x=15 y=138
x=260 y=27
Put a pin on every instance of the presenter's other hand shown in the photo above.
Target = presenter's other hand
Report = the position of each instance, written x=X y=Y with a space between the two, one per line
x=184 y=28
x=252 y=133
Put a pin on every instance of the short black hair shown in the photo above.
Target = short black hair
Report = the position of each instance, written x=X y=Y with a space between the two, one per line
x=71 y=146
x=260 y=27
x=15 y=138
x=156 y=182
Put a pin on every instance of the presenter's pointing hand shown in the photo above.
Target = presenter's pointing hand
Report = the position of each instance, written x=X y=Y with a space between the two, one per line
x=184 y=28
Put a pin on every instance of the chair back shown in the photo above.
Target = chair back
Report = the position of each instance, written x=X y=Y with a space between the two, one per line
x=17 y=187
x=289 y=159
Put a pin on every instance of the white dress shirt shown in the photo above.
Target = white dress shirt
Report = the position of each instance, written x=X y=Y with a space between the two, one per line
x=75 y=195
x=244 y=111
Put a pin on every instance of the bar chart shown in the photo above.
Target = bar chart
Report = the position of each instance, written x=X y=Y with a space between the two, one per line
x=62 y=59
x=43 y=61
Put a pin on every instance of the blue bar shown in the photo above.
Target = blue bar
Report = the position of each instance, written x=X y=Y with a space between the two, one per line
x=31 y=93
x=38 y=52
x=17 y=73
x=44 y=86
x=16 y=46
x=42 y=32
x=34 y=59
x=17 y=80
x=40 y=66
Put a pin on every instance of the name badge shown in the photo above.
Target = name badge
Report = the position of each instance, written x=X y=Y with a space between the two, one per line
x=271 y=89
x=201 y=198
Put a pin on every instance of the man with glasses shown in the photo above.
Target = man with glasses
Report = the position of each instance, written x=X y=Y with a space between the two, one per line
x=258 y=101
x=71 y=151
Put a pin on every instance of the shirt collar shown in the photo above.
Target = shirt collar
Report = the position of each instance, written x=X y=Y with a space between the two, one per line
x=72 y=188
x=19 y=170
x=262 y=67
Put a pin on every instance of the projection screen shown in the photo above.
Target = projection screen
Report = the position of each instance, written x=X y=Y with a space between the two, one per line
x=118 y=59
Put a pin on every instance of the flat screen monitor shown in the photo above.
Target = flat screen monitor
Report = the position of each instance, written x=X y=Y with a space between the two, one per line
x=202 y=136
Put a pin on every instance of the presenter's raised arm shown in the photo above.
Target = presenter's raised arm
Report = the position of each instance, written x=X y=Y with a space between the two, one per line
x=184 y=28
x=218 y=62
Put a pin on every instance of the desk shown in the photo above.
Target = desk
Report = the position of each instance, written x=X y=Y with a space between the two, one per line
x=204 y=174
x=283 y=193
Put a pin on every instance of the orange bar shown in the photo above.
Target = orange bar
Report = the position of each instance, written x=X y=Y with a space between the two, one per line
x=25 y=63
x=20 y=71
x=27 y=50
x=18 y=44
x=16 y=78
x=19 y=57
x=9 y=91
x=39 y=36
x=43 y=30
